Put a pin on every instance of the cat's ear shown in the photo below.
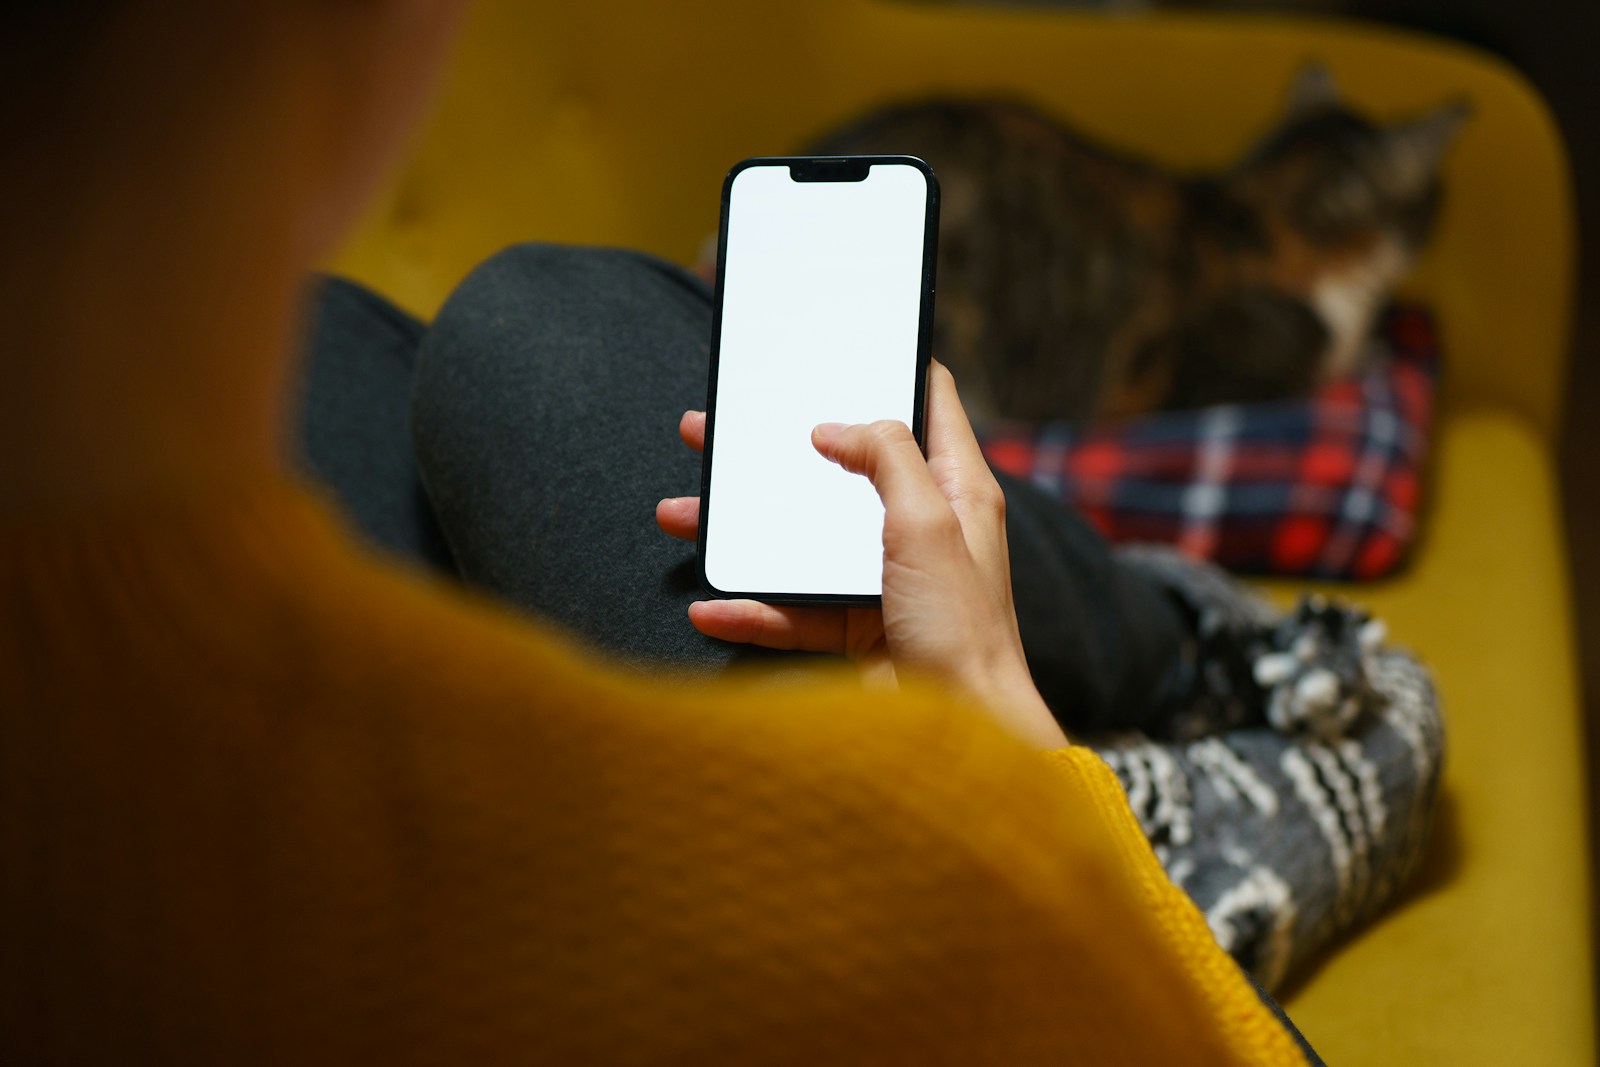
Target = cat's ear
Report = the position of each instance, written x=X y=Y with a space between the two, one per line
x=1313 y=89
x=1416 y=149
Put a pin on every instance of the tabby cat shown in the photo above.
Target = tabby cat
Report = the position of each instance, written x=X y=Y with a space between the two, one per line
x=1078 y=282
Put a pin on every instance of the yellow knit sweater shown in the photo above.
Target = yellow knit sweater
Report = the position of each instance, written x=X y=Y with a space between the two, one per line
x=264 y=800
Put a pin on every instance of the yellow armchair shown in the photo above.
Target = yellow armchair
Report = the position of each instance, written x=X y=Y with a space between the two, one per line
x=614 y=124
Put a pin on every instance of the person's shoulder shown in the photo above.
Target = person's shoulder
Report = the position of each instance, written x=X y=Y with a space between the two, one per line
x=427 y=655
x=796 y=847
x=418 y=640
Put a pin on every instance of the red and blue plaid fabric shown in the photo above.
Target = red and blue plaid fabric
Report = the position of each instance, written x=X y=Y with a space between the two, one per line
x=1326 y=486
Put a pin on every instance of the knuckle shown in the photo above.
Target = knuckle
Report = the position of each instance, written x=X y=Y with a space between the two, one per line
x=887 y=431
x=878 y=443
x=934 y=524
x=982 y=497
x=990 y=499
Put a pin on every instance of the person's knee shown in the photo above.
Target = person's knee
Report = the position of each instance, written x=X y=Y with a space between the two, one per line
x=535 y=308
x=542 y=321
x=576 y=276
x=544 y=264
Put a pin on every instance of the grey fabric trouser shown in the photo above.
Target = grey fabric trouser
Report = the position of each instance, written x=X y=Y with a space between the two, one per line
x=540 y=411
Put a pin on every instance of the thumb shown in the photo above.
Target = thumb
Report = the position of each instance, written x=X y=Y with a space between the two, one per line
x=889 y=457
x=861 y=448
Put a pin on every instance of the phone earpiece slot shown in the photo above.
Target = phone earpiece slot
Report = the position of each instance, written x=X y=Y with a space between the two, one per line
x=847 y=169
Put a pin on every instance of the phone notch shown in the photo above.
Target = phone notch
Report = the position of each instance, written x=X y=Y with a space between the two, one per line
x=846 y=169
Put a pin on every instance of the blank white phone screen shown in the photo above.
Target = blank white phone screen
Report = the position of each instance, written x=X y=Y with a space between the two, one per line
x=821 y=302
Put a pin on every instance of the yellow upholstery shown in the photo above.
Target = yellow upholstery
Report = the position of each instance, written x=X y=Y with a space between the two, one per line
x=613 y=124
x=1487 y=962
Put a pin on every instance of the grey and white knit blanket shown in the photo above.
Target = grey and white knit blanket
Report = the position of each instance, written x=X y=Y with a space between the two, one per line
x=1291 y=787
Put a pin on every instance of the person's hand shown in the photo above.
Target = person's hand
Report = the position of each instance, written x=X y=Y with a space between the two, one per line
x=947 y=611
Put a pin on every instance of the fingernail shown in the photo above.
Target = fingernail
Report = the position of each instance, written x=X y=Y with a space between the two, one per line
x=827 y=432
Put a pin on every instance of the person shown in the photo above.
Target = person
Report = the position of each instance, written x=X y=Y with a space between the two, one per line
x=539 y=408
x=268 y=799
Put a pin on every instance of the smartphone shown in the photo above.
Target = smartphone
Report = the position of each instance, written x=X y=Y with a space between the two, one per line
x=823 y=313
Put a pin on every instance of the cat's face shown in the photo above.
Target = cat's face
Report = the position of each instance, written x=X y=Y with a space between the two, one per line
x=1346 y=203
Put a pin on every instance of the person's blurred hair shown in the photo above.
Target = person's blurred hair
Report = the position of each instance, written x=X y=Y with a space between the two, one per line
x=42 y=45
x=47 y=34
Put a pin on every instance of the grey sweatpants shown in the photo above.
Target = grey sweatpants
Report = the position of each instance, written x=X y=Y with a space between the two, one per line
x=540 y=411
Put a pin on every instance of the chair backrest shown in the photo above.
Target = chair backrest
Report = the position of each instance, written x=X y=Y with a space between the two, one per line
x=614 y=124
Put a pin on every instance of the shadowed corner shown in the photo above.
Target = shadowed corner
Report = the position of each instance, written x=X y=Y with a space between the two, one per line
x=1443 y=860
x=1441 y=865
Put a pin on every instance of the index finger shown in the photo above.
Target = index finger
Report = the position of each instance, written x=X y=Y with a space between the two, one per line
x=889 y=456
x=953 y=453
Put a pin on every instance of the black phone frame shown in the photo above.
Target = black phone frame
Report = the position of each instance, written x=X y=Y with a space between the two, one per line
x=816 y=168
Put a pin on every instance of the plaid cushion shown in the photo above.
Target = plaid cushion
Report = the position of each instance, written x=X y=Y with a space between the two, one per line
x=1326 y=486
